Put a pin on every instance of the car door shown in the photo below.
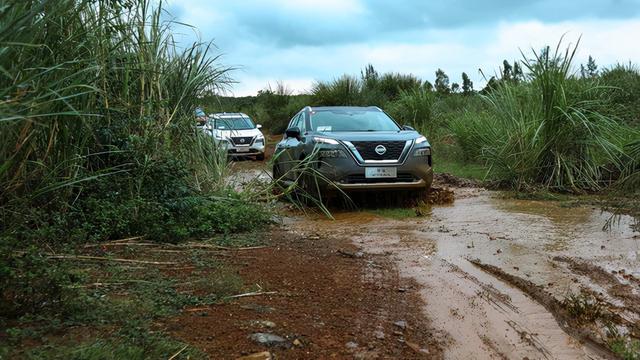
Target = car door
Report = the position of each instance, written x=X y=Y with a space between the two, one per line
x=286 y=150
x=297 y=146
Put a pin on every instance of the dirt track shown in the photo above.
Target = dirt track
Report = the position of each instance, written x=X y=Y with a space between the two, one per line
x=490 y=275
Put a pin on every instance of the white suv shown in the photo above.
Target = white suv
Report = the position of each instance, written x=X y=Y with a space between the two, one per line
x=237 y=134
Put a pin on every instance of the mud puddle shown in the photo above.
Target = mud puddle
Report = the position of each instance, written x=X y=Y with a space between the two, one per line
x=479 y=315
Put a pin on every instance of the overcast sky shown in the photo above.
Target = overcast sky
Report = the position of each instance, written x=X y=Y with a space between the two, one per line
x=301 y=41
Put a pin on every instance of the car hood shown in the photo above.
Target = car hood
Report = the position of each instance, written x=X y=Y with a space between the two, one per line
x=372 y=135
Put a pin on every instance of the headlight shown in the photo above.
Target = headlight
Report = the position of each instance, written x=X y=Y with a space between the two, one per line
x=421 y=139
x=334 y=153
x=259 y=141
x=422 y=152
x=322 y=140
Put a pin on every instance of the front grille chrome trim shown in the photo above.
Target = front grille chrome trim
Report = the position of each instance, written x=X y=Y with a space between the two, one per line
x=358 y=158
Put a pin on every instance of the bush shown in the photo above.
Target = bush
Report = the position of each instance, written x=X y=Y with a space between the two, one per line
x=415 y=108
x=625 y=81
x=553 y=131
x=30 y=283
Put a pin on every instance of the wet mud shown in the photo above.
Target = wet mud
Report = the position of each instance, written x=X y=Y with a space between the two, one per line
x=494 y=273
x=518 y=313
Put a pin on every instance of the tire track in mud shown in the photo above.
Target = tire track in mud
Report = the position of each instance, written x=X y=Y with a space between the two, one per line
x=555 y=307
x=476 y=313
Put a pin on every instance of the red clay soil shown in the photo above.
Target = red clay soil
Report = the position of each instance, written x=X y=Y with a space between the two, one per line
x=331 y=302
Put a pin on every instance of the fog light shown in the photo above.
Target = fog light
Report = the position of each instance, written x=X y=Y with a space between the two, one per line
x=422 y=152
x=331 y=154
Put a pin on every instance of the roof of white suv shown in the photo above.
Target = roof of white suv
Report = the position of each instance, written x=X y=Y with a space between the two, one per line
x=228 y=115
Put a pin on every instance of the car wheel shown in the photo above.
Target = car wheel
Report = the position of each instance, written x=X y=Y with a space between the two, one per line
x=277 y=174
x=260 y=157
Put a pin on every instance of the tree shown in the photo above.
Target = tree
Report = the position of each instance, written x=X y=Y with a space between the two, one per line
x=467 y=84
x=492 y=84
x=427 y=85
x=455 y=87
x=442 y=82
x=518 y=75
x=507 y=71
x=592 y=68
x=369 y=76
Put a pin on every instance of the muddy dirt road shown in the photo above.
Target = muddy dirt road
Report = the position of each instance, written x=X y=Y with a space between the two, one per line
x=493 y=272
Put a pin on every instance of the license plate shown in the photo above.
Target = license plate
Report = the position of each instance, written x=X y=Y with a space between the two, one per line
x=242 y=149
x=380 y=172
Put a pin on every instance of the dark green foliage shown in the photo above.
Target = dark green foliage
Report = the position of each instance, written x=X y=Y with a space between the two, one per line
x=345 y=91
x=98 y=143
x=591 y=70
x=467 y=84
x=625 y=80
x=442 y=83
x=626 y=347
x=29 y=282
x=554 y=130
x=415 y=108
x=371 y=89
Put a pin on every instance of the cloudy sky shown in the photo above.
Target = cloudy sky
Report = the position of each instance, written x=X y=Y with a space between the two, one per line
x=301 y=41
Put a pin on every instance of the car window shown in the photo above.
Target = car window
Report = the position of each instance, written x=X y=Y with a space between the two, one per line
x=336 y=120
x=296 y=122
x=234 y=123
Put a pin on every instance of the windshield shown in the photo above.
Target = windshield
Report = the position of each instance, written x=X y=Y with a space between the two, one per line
x=234 y=123
x=351 y=120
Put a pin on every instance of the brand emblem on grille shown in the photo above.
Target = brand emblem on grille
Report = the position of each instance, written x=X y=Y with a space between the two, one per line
x=242 y=141
x=380 y=150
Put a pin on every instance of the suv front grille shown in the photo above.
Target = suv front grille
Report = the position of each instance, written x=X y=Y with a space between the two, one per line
x=361 y=179
x=242 y=140
x=367 y=149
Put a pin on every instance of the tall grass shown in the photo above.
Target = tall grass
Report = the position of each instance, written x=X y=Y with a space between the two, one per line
x=553 y=130
x=83 y=80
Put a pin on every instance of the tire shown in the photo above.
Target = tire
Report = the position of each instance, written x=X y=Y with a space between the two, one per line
x=260 y=157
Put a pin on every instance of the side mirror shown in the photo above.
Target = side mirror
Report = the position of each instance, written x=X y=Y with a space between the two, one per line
x=293 y=132
x=258 y=126
x=407 y=127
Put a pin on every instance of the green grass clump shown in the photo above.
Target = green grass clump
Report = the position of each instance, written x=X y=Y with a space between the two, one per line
x=584 y=308
x=97 y=142
x=554 y=130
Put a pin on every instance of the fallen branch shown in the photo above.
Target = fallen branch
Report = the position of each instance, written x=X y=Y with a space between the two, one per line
x=209 y=246
x=178 y=353
x=197 y=309
x=255 y=293
x=120 y=244
x=126 y=239
x=98 y=258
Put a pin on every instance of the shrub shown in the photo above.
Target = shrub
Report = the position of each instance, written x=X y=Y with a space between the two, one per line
x=415 y=108
x=625 y=82
x=553 y=130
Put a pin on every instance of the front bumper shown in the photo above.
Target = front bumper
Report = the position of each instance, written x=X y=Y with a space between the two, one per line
x=244 y=150
x=346 y=174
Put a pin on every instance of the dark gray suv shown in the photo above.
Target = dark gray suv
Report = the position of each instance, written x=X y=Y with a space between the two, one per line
x=356 y=148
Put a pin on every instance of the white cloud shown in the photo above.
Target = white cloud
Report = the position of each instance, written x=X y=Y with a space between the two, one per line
x=323 y=6
x=454 y=51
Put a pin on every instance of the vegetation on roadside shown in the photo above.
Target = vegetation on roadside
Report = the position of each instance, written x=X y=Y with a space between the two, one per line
x=98 y=144
x=540 y=124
